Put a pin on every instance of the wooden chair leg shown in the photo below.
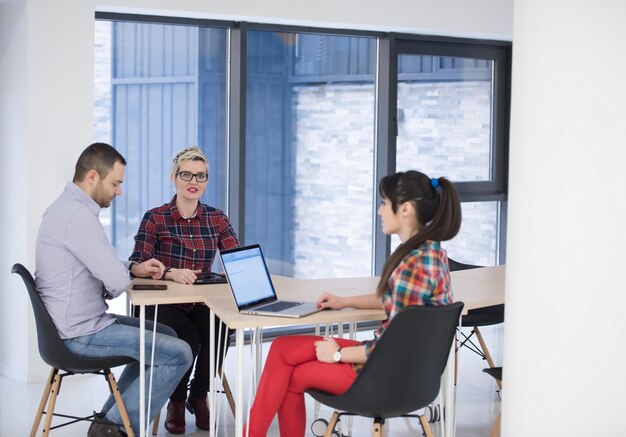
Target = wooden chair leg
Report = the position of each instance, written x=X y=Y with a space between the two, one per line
x=378 y=429
x=42 y=403
x=495 y=431
x=120 y=402
x=228 y=393
x=426 y=426
x=54 y=392
x=456 y=366
x=155 y=423
x=483 y=346
x=331 y=424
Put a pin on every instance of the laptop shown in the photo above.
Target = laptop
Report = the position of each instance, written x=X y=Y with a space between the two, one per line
x=252 y=287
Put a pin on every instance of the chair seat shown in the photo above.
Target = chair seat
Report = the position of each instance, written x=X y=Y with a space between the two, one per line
x=371 y=406
x=403 y=372
x=495 y=372
x=486 y=316
x=88 y=365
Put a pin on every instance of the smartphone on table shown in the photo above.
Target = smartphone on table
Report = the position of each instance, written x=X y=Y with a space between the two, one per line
x=150 y=287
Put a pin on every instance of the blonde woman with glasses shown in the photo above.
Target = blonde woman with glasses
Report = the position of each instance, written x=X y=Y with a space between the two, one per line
x=184 y=235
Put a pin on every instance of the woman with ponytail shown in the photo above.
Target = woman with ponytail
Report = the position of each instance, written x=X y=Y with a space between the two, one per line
x=422 y=212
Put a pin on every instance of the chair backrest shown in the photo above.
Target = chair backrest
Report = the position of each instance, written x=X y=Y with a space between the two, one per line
x=455 y=265
x=51 y=348
x=403 y=372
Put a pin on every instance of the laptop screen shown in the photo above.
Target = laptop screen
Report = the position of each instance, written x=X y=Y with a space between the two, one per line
x=247 y=275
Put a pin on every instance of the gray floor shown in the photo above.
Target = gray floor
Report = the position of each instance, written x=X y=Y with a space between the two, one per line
x=477 y=403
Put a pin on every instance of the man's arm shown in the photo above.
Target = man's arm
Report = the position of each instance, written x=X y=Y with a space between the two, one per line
x=86 y=240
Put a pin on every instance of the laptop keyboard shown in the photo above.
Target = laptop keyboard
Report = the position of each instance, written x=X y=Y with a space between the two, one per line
x=278 y=306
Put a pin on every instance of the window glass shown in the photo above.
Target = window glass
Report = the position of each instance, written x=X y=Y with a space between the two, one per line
x=444 y=129
x=444 y=116
x=163 y=87
x=476 y=242
x=310 y=152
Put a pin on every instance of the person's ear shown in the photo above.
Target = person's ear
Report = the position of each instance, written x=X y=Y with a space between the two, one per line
x=405 y=208
x=92 y=177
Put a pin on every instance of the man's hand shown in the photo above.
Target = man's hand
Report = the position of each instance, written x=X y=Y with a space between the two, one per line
x=153 y=268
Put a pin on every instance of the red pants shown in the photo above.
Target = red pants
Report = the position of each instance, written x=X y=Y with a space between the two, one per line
x=292 y=368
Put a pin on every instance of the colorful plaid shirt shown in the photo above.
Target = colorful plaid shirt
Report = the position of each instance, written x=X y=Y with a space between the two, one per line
x=183 y=243
x=422 y=278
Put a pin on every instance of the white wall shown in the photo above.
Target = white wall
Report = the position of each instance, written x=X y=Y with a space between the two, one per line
x=478 y=18
x=565 y=296
x=46 y=80
x=46 y=110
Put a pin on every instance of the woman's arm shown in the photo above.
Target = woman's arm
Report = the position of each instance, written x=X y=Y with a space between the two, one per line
x=325 y=351
x=227 y=237
x=145 y=240
x=364 y=301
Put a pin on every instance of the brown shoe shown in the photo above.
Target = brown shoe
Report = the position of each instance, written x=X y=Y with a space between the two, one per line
x=175 y=420
x=200 y=408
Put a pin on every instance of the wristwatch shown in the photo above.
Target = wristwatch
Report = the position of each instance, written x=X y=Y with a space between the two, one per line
x=337 y=356
x=130 y=268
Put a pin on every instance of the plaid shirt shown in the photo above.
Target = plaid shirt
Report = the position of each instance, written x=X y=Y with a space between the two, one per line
x=422 y=278
x=183 y=243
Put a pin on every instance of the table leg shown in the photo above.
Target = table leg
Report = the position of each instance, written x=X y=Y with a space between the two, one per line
x=259 y=356
x=142 y=371
x=212 y=385
x=449 y=402
x=239 y=384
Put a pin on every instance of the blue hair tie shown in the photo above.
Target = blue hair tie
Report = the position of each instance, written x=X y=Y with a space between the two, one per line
x=435 y=183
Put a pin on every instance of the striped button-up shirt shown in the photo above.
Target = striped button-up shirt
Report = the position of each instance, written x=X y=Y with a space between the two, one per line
x=422 y=278
x=76 y=265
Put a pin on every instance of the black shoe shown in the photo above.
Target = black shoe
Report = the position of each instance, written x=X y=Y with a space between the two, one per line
x=101 y=427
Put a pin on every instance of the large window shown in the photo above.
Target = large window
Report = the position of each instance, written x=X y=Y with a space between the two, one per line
x=165 y=85
x=447 y=125
x=310 y=151
x=299 y=125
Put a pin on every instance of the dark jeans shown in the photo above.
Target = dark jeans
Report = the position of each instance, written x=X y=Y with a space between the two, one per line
x=193 y=328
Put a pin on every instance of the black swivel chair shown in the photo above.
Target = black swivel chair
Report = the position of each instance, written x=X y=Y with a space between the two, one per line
x=64 y=363
x=487 y=316
x=403 y=372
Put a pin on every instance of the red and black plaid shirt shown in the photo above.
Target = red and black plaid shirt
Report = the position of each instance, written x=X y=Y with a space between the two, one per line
x=183 y=243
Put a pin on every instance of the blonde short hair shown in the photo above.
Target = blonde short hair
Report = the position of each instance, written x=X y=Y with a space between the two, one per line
x=189 y=154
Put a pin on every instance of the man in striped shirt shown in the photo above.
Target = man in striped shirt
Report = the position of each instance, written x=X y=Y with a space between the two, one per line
x=77 y=270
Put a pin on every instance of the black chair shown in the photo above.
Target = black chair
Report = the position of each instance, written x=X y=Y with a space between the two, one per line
x=496 y=373
x=403 y=372
x=64 y=363
x=487 y=316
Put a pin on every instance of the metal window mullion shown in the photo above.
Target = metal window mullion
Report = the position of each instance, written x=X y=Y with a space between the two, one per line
x=385 y=141
x=235 y=203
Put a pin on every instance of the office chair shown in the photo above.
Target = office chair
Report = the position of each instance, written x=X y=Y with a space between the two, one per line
x=487 y=316
x=496 y=373
x=65 y=363
x=403 y=372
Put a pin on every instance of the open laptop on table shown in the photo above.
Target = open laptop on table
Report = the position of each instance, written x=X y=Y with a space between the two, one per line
x=252 y=287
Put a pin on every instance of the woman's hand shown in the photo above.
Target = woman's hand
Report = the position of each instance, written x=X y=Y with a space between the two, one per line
x=325 y=349
x=331 y=301
x=183 y=276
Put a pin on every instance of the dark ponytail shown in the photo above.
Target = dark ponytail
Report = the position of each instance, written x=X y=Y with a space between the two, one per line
x=438 y=210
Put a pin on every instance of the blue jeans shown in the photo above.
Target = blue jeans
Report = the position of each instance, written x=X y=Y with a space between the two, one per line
x=172 y=358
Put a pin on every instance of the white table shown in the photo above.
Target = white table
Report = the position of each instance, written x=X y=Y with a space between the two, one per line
x=477 y=288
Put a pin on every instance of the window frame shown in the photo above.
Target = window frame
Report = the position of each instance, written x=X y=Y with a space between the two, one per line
x=389 y=47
